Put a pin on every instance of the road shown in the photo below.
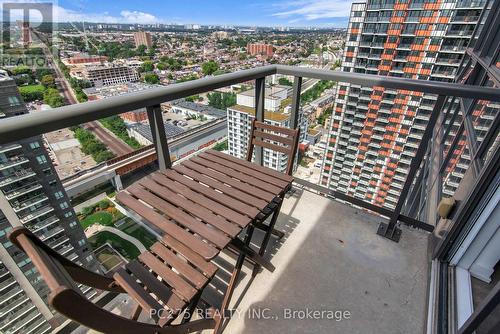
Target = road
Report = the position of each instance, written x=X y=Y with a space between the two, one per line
x=115 y=145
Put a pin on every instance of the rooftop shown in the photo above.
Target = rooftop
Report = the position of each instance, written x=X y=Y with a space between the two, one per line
x=200 y=108
x=273 y=116
x=270 y=91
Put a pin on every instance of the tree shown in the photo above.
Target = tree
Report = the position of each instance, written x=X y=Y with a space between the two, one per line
x=22 y=70
x=141 y=50
x=147 y=66
x=32 y=93
x=53 y=98
x=48 y=81
x=285 y=82
x=209 y=67
x=221 y=101
x=151 y=78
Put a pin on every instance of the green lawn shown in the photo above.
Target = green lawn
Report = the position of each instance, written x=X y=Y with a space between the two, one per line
x=140 y=233
x=126 y=248
x=100 y=217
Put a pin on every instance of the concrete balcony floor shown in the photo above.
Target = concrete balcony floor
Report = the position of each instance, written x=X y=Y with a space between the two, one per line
x=332 y=260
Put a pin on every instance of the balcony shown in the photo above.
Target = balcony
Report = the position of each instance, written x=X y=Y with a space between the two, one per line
x=335 y=256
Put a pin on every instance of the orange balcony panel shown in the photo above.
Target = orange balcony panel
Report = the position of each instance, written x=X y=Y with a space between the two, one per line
x=354 y=183
x=360 y=157
x=365 y=140
x=327 y=168
x=443 y=20
x=384 y=67
x=417 y=47
x=386 y=57
x=329 y=156
x=392 y=165
x=349 y=54
x=342 y=92
x=370 y=124
x=378 y=88
x=398 y=148
x=373 y=183
x=379 y=200
x=335 y=126
x=433 y=47
x=401 y=6
x=363 y=148
x=415 y=59
x=333 y=140
x=366 y=132
x=421 y=33
x=391 y=45
x=425 y=71
x=396 y=19
x=357 y=170
x=432 y=6
x=369 y=196
x=404 y=131
x=427 y=20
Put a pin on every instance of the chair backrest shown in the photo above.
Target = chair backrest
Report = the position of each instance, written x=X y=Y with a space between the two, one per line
x=275 y=138
x=45 y=259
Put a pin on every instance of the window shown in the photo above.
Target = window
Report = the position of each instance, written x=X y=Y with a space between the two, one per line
x=41 y=159
x=58 y=194
x=89 y=258
x=68 y=214
x=64 y=205
x=14 y=101
x=73 y=224
x=34 y=145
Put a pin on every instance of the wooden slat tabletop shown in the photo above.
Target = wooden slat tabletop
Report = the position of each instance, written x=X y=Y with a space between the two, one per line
x=206 y=201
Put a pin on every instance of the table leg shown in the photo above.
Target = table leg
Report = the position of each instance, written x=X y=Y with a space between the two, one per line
x=233 y=280
x=267 y=236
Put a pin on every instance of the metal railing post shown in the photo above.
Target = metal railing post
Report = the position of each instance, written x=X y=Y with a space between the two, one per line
x=260 y=98
x=294 y=117
x=390 y=230
x=159 y=137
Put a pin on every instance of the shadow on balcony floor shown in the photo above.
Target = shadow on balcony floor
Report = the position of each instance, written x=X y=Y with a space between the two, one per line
x=332 y=260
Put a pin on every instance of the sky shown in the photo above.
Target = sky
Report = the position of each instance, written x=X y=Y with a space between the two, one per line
x=301 y=13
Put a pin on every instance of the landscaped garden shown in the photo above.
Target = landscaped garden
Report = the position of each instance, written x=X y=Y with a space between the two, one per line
x=135 y=230
x=126 y=248
x=103 y=213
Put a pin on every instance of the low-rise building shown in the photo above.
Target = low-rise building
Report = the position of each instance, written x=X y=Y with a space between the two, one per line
x=106 y=74
x=192 y=109
x=135 y=116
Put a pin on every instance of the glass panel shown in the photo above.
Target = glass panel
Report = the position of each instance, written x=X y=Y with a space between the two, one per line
x=456 y=166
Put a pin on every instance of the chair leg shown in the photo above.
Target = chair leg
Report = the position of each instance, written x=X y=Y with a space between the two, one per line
x=267 y=236
x=232 y=282
x=136 y=312
x=192 y=306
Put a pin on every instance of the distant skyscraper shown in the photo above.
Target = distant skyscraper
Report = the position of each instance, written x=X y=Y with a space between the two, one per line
x=375 y=131
x=143 y=38
x=32 y=195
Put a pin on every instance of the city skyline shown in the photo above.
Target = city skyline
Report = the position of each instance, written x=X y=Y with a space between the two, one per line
x=304 y=13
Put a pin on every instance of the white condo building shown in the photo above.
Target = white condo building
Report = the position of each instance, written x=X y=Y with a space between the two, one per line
x=277 y=112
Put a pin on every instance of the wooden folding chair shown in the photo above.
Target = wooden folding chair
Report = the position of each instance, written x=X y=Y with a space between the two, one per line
x=165 y=281
x=277 y=139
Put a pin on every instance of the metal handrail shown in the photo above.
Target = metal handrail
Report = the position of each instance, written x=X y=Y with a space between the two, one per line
x=28 y=125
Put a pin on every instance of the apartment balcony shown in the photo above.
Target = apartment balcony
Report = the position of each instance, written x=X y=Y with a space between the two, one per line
x=12 y=163
x=22 y=190
x=335 y=255
x=19 y=206
x=36 y=214
x=16 y=176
